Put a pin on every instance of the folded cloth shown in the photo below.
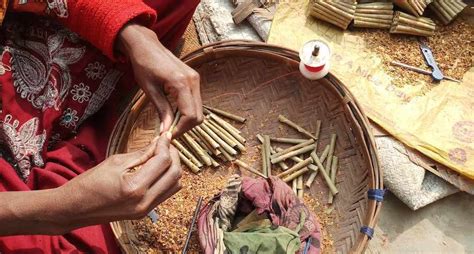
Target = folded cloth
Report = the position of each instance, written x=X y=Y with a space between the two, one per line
x=276 y=201
x=262 y=237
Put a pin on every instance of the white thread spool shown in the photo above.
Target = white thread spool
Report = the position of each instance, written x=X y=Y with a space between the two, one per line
x=314 y=59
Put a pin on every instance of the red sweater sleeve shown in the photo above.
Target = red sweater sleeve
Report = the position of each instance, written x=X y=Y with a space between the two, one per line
x=100 y=21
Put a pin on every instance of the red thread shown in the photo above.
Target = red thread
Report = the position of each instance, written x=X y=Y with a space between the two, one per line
x=314 y=69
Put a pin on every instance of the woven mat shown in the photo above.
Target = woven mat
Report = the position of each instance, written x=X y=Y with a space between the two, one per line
x=189 y=42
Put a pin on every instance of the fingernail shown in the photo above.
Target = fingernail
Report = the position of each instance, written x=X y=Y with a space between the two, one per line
x=169 y=135
x=161 y=127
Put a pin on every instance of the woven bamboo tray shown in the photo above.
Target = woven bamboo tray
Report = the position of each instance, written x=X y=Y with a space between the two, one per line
x=260 y=81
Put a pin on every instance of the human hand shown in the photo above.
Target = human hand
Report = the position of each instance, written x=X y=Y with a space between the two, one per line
x=112 y=191
x=158 y=72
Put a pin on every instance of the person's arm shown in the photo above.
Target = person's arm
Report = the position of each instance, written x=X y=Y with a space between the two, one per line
x=31 y=212
x=107 y=192
x=119 y=29
x=159 y=73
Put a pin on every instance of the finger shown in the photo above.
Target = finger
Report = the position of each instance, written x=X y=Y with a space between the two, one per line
x=187 y=107
x=139 y=157
x=164 y=110
x=196 y=92
x=169 y=193
x=157 y=165
x=169 y=180
x=163 y=143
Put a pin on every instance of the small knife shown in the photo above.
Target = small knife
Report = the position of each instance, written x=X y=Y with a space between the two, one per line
x=436 y=73
x=153 y=215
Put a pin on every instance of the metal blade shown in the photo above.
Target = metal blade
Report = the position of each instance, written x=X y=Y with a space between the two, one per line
x=436 y=73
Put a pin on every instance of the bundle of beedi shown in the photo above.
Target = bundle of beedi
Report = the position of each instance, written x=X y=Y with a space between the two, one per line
x=258 y=216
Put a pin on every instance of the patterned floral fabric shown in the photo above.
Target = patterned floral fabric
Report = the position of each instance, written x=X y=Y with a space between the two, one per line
x=269 y=198
x=58 y=76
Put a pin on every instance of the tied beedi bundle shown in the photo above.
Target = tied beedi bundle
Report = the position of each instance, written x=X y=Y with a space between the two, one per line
x=404 y=23
x=447 y=10
x=414 y=7
x=338 y=13
x=374 y=15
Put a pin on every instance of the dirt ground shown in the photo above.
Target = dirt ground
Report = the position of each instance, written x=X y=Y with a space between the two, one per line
x=445 y=226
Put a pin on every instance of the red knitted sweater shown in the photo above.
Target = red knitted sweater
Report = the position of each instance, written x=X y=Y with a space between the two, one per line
x=97 y=21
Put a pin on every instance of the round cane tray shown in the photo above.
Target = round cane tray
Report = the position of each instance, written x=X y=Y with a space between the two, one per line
x=261 y=81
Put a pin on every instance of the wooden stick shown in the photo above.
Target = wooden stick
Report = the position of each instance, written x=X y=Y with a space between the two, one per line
x=447 y=8
x=379 y=12
x=447 y=11
x=370 y=24
x=266 y=142
x=293 y=148
x=191 y=226
x=288 y=140
x=221 y=142
x=300 y=187
x=294 y=185
x=264 y=159
x=296 y=167
x=418 y=24
x=197 y=149
x=206 y=137
x=297 y=159
x=272 y=151
x=322 y=15
x=226 y=155
x=323 y=171
x=296 y=174
x=210 y=150
x=344 y=12
x=375 y=16
x=240 y=146
x=186 y=153
x=221 y=122
x=221 y=135
x=188 y=163
x=376 y=6
x=334 y=165
x=419 y=70
x=404 y=4
x=299 y=183
x=214 y=163
x=401 y=29
x=226 y=114
x=245 y=166
x=408 y=24
x=443 y=19
x=441 y=10
x=416 y=6
x=318 y=128
x=293 y=153
x=313 y=175
x=318 y=132
x=228 y=127
x=300 y=193
x=301 y=130
x=282 y=164
x=332 y=146
x=177 y=116
x=413 y=18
